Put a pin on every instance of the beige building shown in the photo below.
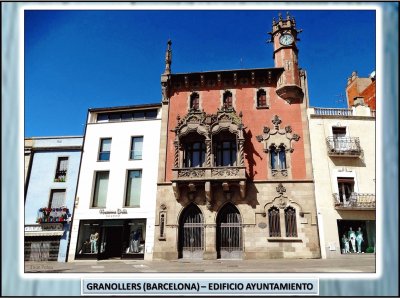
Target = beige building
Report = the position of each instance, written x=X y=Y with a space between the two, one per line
x=343 y=158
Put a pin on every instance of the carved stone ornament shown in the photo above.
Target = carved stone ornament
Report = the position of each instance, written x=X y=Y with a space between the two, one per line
x=163 y=207
x=277 y=136
x=280 y=188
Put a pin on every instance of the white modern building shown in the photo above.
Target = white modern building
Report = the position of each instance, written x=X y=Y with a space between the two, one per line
x=343 y=158
x=116 y=196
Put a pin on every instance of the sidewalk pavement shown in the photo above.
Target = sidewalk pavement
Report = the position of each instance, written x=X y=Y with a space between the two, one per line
x=344 y=264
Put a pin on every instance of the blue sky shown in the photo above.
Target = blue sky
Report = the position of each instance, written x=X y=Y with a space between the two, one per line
x=75 y=60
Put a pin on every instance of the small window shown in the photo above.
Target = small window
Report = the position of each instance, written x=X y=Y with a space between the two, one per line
x=115 y=117
x=102 y=117
x=151 y=114
x=346 y=188
x=100 y=189
x=133 y=188
x=339 y=132
x=61 y=171
x=227 y=99
x=278 y=157
x=274 y=222
x=138 y=115
x=126 y=116
x=162 y=224
x=57 y=198
x=105 y=149
x=136 y=148
x=261 y=98
x=290 y=222
x=194 y=101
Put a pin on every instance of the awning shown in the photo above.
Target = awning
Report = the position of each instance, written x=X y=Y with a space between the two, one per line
x=44 y=233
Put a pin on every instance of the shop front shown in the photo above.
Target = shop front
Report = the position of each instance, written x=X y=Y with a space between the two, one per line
x=111 y=238
x=356 y=236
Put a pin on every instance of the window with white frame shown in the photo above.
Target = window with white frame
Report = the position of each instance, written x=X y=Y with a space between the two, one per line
x=134 y=184
x=100 y=189
x=136 y=148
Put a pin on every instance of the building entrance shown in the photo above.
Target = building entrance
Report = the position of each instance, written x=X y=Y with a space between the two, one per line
x=229 y=233
x=191 y=233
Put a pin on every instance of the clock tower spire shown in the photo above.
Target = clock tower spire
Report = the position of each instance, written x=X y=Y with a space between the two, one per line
x=284 y=38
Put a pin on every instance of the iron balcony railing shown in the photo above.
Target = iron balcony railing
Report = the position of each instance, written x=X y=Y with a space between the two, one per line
x=355 y=201
x=333 y=112
x=343 y=146
x=60 y=214
x=209 y=173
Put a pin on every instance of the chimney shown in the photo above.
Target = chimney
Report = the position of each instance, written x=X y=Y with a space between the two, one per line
x=359 y=101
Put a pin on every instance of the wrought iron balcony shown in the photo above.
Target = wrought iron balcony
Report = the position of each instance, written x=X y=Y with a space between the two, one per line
x=356 y=201
x=343 y=146
x=209 y=174
x=54 y=215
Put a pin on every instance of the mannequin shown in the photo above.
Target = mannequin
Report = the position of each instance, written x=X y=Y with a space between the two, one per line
x=345 y=242
x=352 y=237
x=93 y=242
x=134 y=241
x=359 y=239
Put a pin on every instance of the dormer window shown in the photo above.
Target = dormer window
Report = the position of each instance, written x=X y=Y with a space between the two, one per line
x=194 y=101
x=227 y=99
x=261 y=98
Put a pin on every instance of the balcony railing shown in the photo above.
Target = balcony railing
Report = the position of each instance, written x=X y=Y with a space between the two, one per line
x=333 y=112
x=360 y=201
x=60 y=176
x=53 y=215
x=343 y=146
x=207 y=174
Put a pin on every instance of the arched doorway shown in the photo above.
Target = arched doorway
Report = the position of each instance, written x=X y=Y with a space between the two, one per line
x=191 y=233
x=229 y=233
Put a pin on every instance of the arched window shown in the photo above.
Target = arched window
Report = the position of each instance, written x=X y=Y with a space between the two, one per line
x=278 y=157
x=261 y=98
x=227 y=99
x=274 y=222
x=290 y=222
x=194 y=101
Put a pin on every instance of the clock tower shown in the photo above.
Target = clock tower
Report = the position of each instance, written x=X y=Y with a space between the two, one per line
x=284 y=38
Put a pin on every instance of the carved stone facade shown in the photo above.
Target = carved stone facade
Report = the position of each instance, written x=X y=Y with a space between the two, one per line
x=204 y=197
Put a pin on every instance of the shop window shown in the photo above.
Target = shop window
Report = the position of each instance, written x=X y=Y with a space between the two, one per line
x=136 y=148
x=89 y=238
x=261 y=98
x=134 y=184
x=100 y=189
x=105 y=149
x=194 y=154
x=227 y=100
x=135 y=235
x=274 y=222
x=61 y=171
x=290 y=222
x=346 y=188
x=194 y=101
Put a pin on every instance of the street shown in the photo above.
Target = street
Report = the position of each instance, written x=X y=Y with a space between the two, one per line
x=345 y=264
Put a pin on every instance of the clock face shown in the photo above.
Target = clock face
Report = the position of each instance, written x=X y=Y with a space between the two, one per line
x=286 y=39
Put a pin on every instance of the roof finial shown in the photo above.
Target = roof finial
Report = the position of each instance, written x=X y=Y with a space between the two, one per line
x=280 y=16
x=287 y=16
x=273 y=21
x=168 y=58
